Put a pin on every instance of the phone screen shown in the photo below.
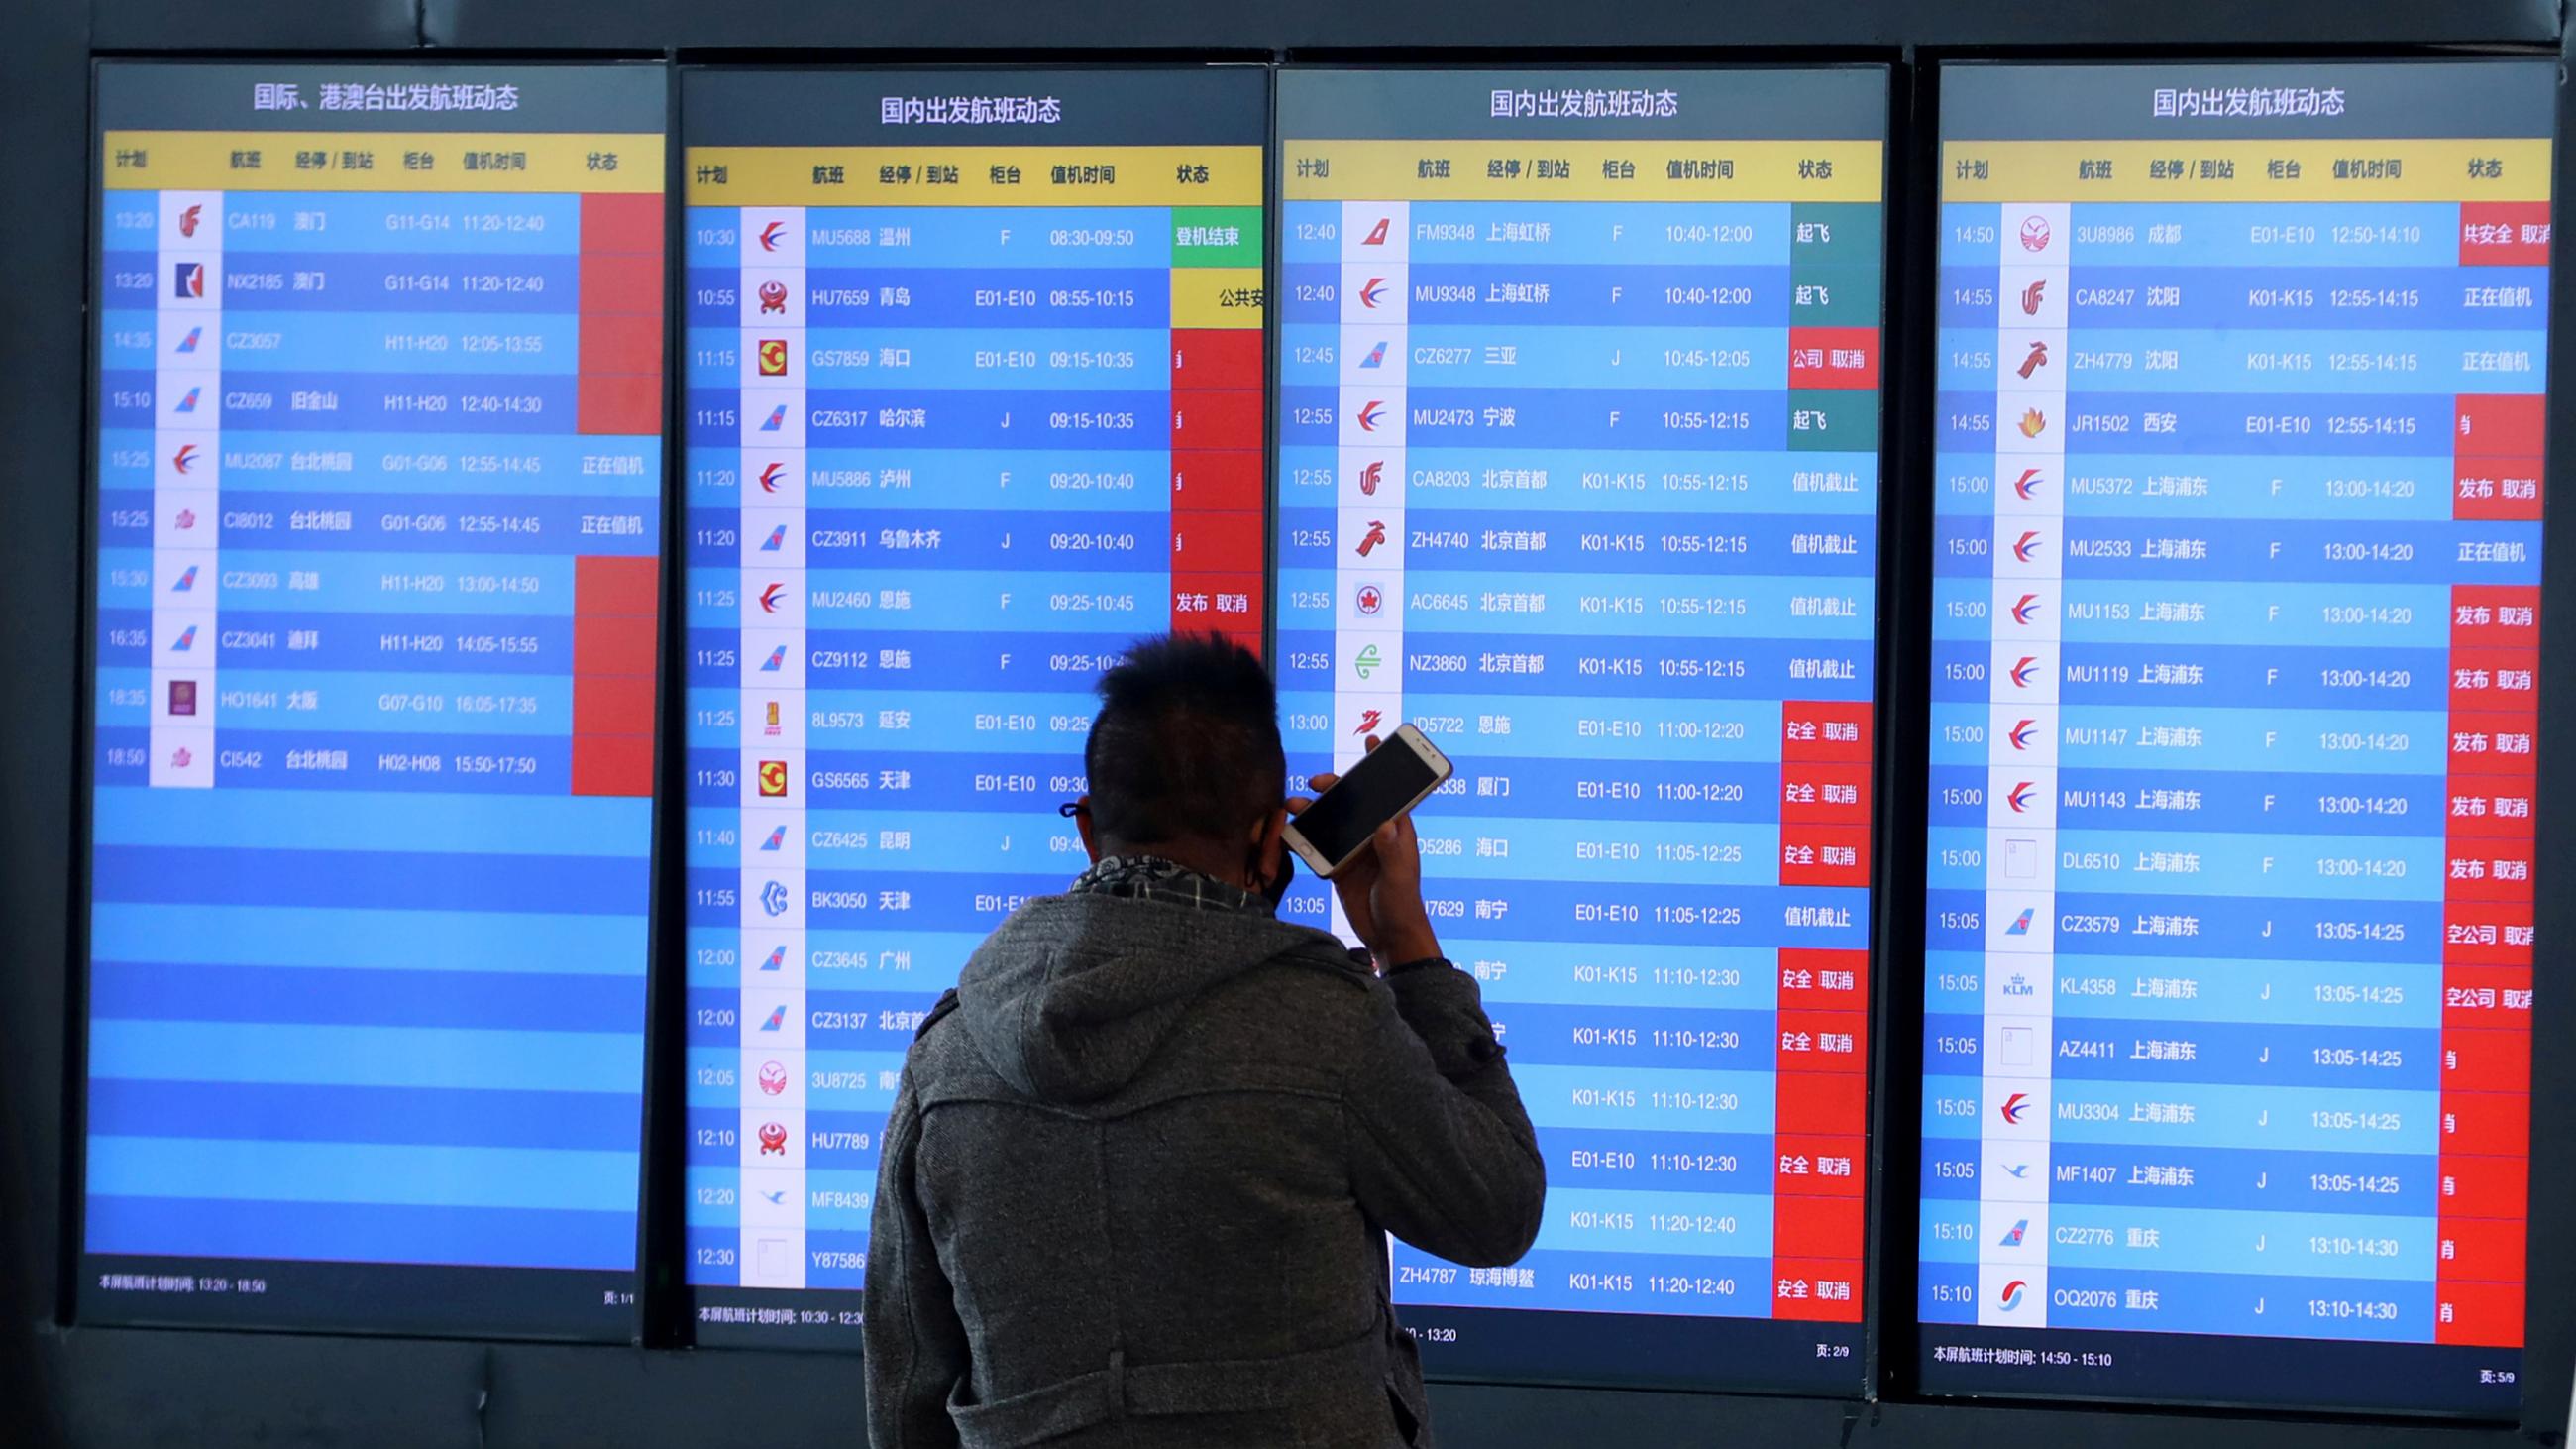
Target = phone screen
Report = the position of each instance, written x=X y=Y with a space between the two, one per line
x=1384 y=781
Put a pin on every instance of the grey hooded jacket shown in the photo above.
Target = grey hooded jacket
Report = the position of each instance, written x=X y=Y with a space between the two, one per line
x=1135 y=1186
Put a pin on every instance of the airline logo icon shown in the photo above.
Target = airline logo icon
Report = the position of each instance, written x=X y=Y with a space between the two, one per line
x=1372 y=292
x=2019 y=985
x=2024 y=546
x=2021 y=927
x=2012 y=1239
x=1371 y=414
x=1370 y=599
x=187 y=640
x=186 y=520
x=773 y=1138
x=1377 y=233
x=776 y=661
x=188 y=220
x=773 y=778
x=771 y=726
x=187 y=404
x=770 y=475
x=1368 y=722
x=1376 y=357
x=772 y=595
x=1368 y=478
x=2034 y=360
x=771 y=235
x=188 y=279
x=2022 y=733
x=773 y=899
x=776 y=541
x=774 y=1199
x=776 y=420
x=773 y=357
x=2023 y=669
x=777 y=839
x=189 y=342
x=187 y=580
x=2034 y=233
x=773 y=1077
x=773 y=297
x=1367 y=661
x=184 y=459
x=2024 y=607
x=777 y=1019
x=2015 y=1107
x=777 y=958
x=2011 y=1298
x=2033 y=296
x=2028 y=481
x=2033 y=423
x=183 y=696
x=2020 y=797
x=180 y=759
x=1376 y=535
x=2017 y=1171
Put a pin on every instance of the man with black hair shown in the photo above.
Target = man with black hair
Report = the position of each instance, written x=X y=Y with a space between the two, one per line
x=1137 y=1181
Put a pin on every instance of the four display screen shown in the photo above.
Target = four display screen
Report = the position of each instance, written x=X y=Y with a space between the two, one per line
x=1542 y=412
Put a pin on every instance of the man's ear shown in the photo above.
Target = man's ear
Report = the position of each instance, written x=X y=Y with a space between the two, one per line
x=1268 y=846
x=1082 y=823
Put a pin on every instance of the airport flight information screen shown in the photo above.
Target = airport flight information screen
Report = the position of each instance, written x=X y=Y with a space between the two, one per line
x=2237 y=590
x=1578 y=471
x=974 y=382
x=379 y=467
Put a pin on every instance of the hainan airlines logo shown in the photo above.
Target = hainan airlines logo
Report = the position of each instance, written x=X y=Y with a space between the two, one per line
x=1372 y=291
x=2016 y=1107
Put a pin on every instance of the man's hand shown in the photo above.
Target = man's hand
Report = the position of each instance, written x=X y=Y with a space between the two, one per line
x=1381 y=888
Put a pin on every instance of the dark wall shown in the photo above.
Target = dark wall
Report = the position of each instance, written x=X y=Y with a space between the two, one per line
x=204 y=1390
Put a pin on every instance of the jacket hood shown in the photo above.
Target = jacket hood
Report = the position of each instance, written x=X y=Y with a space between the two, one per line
x=1073 y=996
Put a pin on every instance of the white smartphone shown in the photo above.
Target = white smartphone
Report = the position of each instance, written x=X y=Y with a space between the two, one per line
x=1388 y=781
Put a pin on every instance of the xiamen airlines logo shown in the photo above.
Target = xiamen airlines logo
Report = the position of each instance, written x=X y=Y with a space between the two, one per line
x=2012 y=1295
x=2022 y=732
x=2024 y=607
x=771 y=235
x=1372 y=292
x=2022 y=670
x=2015 y=1107
x=2020 y=797
x=2026 y=545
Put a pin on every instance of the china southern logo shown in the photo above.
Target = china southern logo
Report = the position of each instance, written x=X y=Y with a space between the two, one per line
x=777 y=954
x=773 y=898
x=2012 y=1295
x=2021 y=923
x=776 y=661
x=777 y=419
x=1376 y=357
x=777 y=1015
x=1371 y=292
x=2024 y=545
x=2015 y=1107
x=187 y=581
x=2019 y=799
x=776 y=541
x=2013 y=1238
x=777 y=840
x=2023 y=669
x=2022 y=732
x=189 y=342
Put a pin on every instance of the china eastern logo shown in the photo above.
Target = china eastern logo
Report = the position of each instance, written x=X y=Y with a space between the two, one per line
x=770 y=476
x=771 y=597
x=2022 y=733
x=2027 y=483
x=1372 y=292
x=2026 y=547
x=2022 y=670
x=2015 y=1107
x=2021 y=796
x=1371 y=414
x=2023 y=608
x=771 y=235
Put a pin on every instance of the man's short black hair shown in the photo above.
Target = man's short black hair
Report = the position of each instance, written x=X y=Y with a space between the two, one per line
x=1186 y=744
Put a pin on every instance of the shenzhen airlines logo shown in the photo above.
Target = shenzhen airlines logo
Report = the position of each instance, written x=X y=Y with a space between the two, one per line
x=773 y=357
x=2034 y=360
x=2024 y=607
x=188 y=279
x=2032 y=296
x=771 y=596
x=1371 y=414
x=1375 y=536
x=771 y=235
x=188 y=220
x=1369 y=476
x=1377 y=233
x=2022 y=670
x=2022 y=732
x=770 y=475
x=2019 y=799
x=2011 y=1295
x=2021 y=923
x=1371 y=292
x=2016 y=1107
x=184 y=459
x=773 y=778
x=2029 y=480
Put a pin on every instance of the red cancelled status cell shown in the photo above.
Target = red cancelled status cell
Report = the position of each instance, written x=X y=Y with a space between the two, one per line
x=1824 y=855
x=2495 y=616
x=1228 y=419
x=612 y=765
x=622 y=284
x=1217 y=542
x=1816 y=1290
x=1816 y=1227
x=2486 y=997
x=2480 y=1250
x=1824 y=1041
x=1833 y=357
x=2497 y=681
x=608 y=586
x=627 y=404
x=2485 y=805
x=1825 y=730
x=2503 y=745
x=2490 y=489
x=1216 y=357
x=1828 y=1104
x=2504 y=233
x=1216 y=480
x=2486 y=933
x=2498 y=425
x=622 y=342
x=2486 y=1124
x=2486 y=1187
x=1225 y=602
x=1815 y=792
x=2486 y=1315
x=612 y=704
x=2498 y=870
x=619 y=222
x=1811 y=1166
x=612 y=646
x=2486 y=1061
x=1812 y=980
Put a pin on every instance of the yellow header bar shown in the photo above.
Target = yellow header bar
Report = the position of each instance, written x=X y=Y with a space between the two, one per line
x=1582 y=170
x=974 y=175
x=2515 y=169
x=501 y=162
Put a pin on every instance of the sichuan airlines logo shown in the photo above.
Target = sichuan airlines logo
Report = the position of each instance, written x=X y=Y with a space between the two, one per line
x=2022 y=732
x=2025 y=545
x=1377 y=233
x=2034 y=233
x=1372 y=292
x=2015 y=1107
x=771 y=235
x=2022 y=670
x=2020 y=797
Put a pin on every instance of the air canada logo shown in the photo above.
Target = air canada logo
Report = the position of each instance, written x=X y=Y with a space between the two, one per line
x=773 y=297
x=1370 y=599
